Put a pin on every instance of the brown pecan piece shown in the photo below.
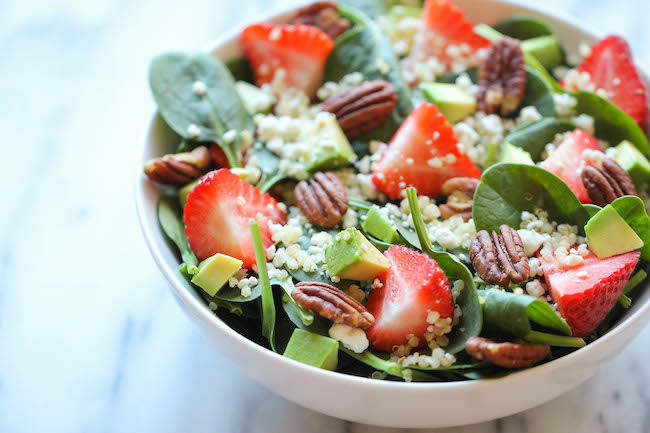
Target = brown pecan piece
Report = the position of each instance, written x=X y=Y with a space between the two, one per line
x=460 y=194
x=332 y=304
x=179 y=168
x=499 y=259
x=606 y=182
x=502 y=78
x=508 y=355
x=362 y=108
x=323 y=199
x=323 y=15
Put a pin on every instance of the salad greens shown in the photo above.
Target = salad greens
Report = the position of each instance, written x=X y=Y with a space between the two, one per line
x=169 y=217
x=268 y=304
x=533 y=136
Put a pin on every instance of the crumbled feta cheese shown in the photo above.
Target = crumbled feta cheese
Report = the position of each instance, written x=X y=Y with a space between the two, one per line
x=193 y=131
x=199 y=88
x=565 y=104
x=535 y=288
x=352 y=338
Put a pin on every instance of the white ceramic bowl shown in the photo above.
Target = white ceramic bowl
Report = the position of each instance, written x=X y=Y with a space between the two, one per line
x=371 y=401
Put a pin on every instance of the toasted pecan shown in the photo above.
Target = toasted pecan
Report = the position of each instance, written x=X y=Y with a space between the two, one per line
x=323 y=199
x=499 y=259
x=507 y=355
x=179 y=168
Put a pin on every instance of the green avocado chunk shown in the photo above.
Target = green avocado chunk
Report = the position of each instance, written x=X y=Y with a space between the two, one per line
x=380 y=226
x=330 y=149
x=454 y=102
x=215 y=271
x=313 y=349
x=353 y=257
x=609 y=235
x=546 y=49
x=255 y=99
x=515 y=154
x=632 y=160
x=185 y=191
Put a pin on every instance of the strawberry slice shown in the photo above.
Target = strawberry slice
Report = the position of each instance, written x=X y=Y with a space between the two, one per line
x=611 y=67
x=412 y=286
x=299 y=50
x=585 y=294
x=423 y=153
x=566 y=160
x=217 y=213
x=446 y=34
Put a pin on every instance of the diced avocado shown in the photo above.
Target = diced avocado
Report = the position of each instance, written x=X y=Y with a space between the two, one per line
x=215 y=271
x=353 y=257
x=330 y=149
x=632 y=160
x=454 y=102
x=515 y=154
x=487 y=32
x=255 y=99
x=379 y=226
x=185 y=191
x=546 y=49
x=609 y=235
x=313 y=349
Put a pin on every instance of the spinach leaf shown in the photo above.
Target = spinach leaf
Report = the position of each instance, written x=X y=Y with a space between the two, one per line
x=522 y=27
x=268 y=303
x=538 y=93
x=240 y=70
x=365 y=49
x=450 y=77
x=392 y=368
x=535 y=64
x=170 y=219
x=300 y=275
x=554 y=340
x=533 y=136
x=242 y=309
x=471 y=321
x=612 y=124
x=269 y=164
x=233 y=294
x=506 y=190
x=633 y=211
x=172 y=76
x=510 y=314
x=305 y=316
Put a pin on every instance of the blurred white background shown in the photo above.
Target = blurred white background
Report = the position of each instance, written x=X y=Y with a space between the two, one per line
x=90 y=338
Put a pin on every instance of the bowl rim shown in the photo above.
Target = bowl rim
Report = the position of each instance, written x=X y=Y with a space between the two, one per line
x=206 y=315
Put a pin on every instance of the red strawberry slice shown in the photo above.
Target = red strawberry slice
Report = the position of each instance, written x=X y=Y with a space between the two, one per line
x=611 y=67
x=585 y=294
x=217 y=213
x=566 y=160
x=300 y=50
x=446 y=35
x=219 y=158
x=423 y=153
x=412 y=286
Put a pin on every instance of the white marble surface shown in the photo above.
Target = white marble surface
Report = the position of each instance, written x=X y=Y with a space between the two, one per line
x=90 y=338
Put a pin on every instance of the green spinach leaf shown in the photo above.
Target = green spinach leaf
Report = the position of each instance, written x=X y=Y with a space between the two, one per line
x=392 y=368
x=233 y=294
x=535 y=64
x=538 y=93
x=633 y=211
x=171 y=221
x=506 y=190
x=240 y=70
x=269 y=164
x=533 y=137
x=522 y=27
x=268 y=303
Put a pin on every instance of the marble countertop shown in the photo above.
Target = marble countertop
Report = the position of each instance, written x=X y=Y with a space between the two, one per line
x=90 y=337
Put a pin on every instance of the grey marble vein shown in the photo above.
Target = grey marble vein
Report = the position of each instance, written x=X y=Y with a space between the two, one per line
x=90 y=337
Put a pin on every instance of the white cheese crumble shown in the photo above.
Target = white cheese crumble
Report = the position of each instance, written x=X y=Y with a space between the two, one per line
x=352 y=338
x=193 y=131
x=199 y=88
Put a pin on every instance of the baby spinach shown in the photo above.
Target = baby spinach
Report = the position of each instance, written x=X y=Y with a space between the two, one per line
x=392 y=368
x=233 y=294
x=510 y=314
x=450 y=77
x=172 y=77
x=554 y=340
x=533 y=136
x=306 y=317
x=633 y=211
x=532 y=62
x=366 y=49
x=242 y=309
x=523 y=27
x=538 y=94
x=268 y=303
x=506 y=190
x=269 y=164
x=612 y=124
x=171 y=221
x=240 y=69
x=471 y=321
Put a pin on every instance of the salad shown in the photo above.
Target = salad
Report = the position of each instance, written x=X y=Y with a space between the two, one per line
x=398 y=193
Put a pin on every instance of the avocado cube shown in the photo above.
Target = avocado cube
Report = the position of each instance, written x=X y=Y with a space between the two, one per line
x=255 y=99
x=546 y=49
x=185 y=191
x=488 y=32
x=632 y=160
x=215 y=271
x=313 y=349
x=608 y=234
x=330 y=149
x=454 y=102
x=380 y=226
x=353 y=257
x=515 y=154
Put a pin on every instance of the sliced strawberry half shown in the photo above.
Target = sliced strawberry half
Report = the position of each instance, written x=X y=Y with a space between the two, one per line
x=585 y=294
x=300 y=50
x=217 y=213
x=446 y=34
x=566 y=160
x=611 y=67
x=423 y=153
x=412 y=286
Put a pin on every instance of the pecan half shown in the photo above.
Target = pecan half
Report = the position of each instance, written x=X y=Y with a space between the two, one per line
x=332 y=304
x=508 y=355
x=323 y=15
x=362 y=108
x=179 y=168
x=460 y=194
x=606 y=182
x=502 y=78
x=499 y=259
x=323 y=199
